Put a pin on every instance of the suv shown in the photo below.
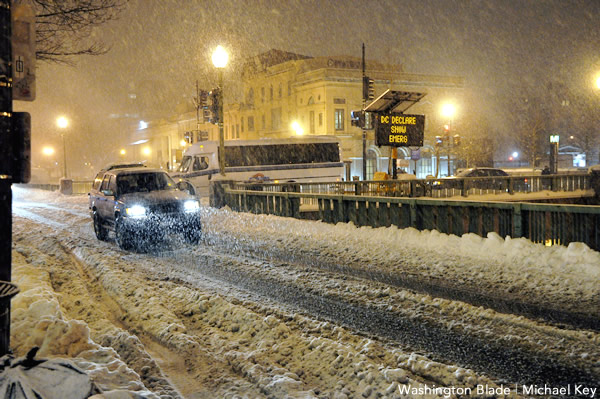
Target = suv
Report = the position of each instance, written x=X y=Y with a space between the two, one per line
x=140 y=205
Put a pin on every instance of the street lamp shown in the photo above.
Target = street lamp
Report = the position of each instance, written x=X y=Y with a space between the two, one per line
x=297 y=128
x=448 y=111
x=220 y=59
x=63 y=123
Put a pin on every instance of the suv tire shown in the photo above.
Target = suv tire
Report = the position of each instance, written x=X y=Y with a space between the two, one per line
x=99 y=229
x=122 y=235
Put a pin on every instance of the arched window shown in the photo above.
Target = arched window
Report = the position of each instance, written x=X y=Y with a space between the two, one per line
x=250 y=96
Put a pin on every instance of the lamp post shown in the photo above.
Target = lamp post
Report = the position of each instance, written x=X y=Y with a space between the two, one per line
x=62 y=123
x=448 y=112
x=220 y=59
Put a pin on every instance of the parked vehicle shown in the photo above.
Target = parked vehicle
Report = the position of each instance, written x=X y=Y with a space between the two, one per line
x=141 y=205
x=481 y=172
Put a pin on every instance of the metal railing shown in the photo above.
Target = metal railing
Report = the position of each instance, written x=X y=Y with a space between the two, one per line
x=78 y=186
x=540 y=223
x=434 y=188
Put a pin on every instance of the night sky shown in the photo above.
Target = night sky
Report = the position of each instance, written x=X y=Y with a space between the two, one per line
x=159 y=48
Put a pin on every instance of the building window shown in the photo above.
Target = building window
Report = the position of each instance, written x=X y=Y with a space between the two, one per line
x=320 y=119
x=250 y=96
x=276 y=119
x=289 y=88
x=312 y=122
x=237 y=130
x=262 y=94
x=271 y=93
x=339 y=101
x=371 y=164
x=242 y=122
x=338 y=119
x=279 y=91
x=264 y=122
x=250 y=123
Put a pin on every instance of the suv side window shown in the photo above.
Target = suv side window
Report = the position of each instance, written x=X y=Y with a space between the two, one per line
x=97 y=181
x=112 y=184
x=105 y=181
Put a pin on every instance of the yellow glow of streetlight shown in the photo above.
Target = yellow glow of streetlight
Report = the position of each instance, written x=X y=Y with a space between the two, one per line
x=220 y=57
x=448 y=110
x=146 y=151
x=598 y=82
x=122 y=152
x=297 y=128
x=48 y=151
x=62 y=122
x=183 y=143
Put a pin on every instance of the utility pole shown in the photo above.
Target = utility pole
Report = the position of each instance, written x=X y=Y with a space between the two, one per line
x=6 y=167
x=364 y=132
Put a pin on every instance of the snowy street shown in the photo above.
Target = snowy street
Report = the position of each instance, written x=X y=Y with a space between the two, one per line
x=271 y=307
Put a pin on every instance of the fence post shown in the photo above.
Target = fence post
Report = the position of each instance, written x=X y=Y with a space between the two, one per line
x=517 y=221
x=413 y=213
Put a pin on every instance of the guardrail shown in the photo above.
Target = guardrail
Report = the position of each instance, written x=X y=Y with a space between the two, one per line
x=77 y=186
x=540 y=223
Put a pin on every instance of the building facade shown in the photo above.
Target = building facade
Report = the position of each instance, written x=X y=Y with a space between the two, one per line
x=286 y=94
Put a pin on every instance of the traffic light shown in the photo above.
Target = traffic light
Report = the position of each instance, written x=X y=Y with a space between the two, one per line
x=456 y=140
x=368 y=88
x=357 y=118
x=215 y=95
x=203 y=105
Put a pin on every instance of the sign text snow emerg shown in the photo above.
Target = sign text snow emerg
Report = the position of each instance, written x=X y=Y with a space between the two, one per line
x=399 y=130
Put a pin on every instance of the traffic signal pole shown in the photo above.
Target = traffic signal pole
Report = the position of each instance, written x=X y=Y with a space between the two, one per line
x=364 y=132
x=5 y=167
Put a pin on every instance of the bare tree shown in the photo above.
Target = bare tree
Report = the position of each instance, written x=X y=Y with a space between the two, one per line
x=63 y=27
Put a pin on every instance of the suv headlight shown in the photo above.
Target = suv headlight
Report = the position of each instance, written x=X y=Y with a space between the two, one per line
x=135 y=211
x=191 y=206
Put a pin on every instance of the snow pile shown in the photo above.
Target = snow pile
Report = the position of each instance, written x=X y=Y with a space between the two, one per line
x=37 y=320
x=569 y=276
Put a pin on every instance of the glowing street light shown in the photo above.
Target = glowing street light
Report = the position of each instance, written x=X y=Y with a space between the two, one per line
x=48 y=151
x=62 y=122
x=297 y=128
x=448 y=110
x=123 y=152
x=220 y=59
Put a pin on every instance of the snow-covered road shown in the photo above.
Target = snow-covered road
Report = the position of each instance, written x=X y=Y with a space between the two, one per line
x=277 y=307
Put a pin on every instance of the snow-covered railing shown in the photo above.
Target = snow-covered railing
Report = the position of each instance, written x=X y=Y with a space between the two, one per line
x=542 y=223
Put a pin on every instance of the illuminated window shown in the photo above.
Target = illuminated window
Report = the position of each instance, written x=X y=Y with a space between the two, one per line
x=338 y=119
x=371 y=164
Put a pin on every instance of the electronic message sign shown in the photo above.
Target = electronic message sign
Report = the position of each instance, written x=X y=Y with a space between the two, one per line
x=399 y=130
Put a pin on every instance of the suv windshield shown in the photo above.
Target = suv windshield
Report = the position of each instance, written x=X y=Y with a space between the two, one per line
x=144 y=182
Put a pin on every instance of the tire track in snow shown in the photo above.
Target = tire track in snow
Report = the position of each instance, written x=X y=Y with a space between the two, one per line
x=511 y=363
